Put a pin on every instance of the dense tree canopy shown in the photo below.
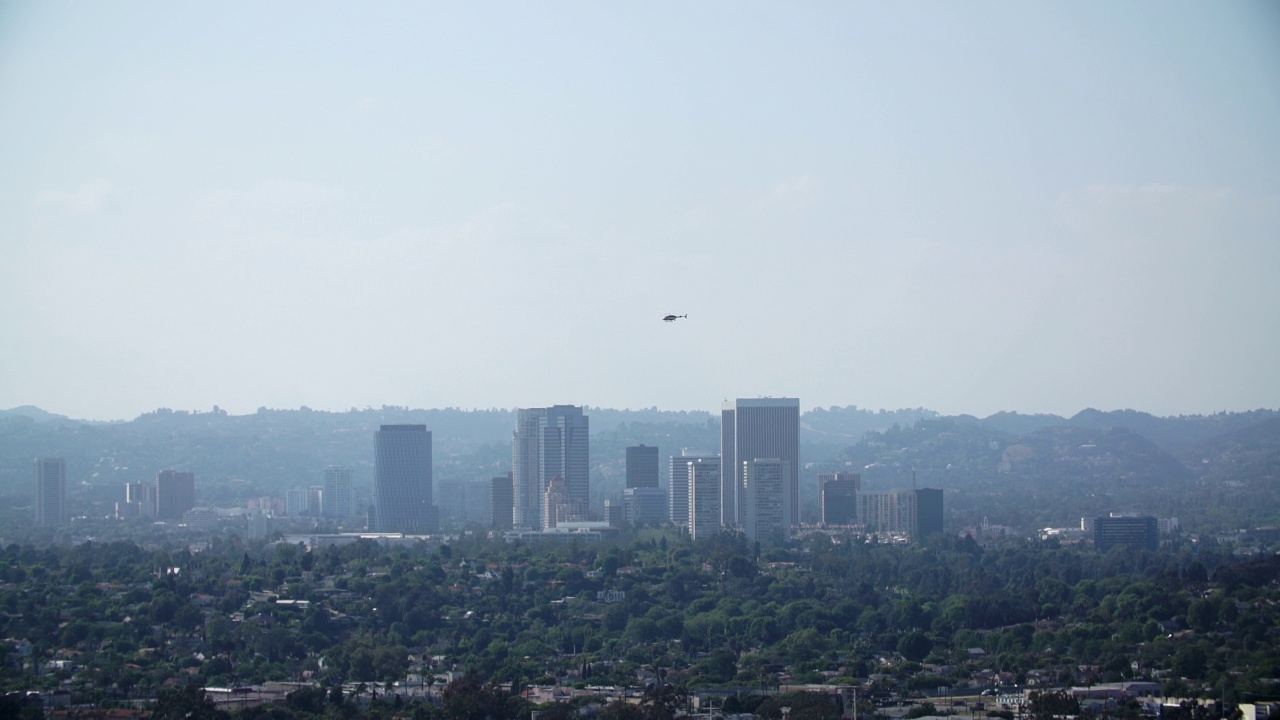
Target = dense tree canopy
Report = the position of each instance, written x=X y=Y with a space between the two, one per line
x=116 y=620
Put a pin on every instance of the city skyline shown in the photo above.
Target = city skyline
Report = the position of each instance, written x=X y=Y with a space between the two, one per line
x=974 y=208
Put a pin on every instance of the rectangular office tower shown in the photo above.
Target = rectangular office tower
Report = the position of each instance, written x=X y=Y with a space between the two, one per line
x=143 y=496
x=756 y=429
x=1136 y=532
x=175 y=494
x=892 y=512
x=838 y=496
x=295 y=502
x=50 y=476
x=549 y=444
x=645 y=505
x=315 y=501
x=402 y=479
x=766 y=502
x=704 y=497
x=928 y=513
x=642 y=466
x=338 y=500
x=678 y=485
x=501 y=502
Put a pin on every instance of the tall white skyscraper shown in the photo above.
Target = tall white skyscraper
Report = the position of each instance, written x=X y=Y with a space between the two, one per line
x=338 y=499
x=678 y=485
x=704 y=497
x=50 y=476
x=758 y=429
x=549 y=443
x=295 y=502
x=767 y=506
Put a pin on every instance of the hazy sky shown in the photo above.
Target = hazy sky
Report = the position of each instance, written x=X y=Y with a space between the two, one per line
x=963 y=206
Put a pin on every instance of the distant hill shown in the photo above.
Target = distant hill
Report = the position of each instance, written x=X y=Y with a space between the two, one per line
x=1250 y=454
x=1015 y=423
x=1175 y=434
x=1238 y=475
x=33 y=413
x=852 y=422
x=1028 y=472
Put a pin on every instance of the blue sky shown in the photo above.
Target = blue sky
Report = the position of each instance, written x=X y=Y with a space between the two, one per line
x=969 y=207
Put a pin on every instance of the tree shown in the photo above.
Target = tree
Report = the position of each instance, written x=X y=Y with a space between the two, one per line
x=1050 y=705
x=915 y=646
x=1190 y=661
x=186 y=703
x=467 y=698
x=619 y=710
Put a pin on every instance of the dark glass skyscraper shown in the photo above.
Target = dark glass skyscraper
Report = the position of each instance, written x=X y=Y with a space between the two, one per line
x=838 y=497
x=402 y=479
x=501 y=502
x=928 y=512
x=642 y=466
x=175 y=494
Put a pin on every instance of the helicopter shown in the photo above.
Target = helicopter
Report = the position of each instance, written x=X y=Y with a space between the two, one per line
x=673 y=318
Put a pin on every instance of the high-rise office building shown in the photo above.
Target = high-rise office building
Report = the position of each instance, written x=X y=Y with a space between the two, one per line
x=678 y=485
x=642 y=466
x=175 y=494
x=758 y=428
x=450 y=498
x=704 y=497
x=402 y=479
x=477 y=499
x=315 y=501
x=295 y=502
x=258 y=524
x=838 y=497
x=645 y=505
x=1137 y=532
x=143 y=495
x=549 y=443
x=339 y=501
x=501 y=502
x=461 y=502
x=928 y=513
x=892 y=512
x=614 y=513
x=766 y=506
x=916 y=514
x=50 y=476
